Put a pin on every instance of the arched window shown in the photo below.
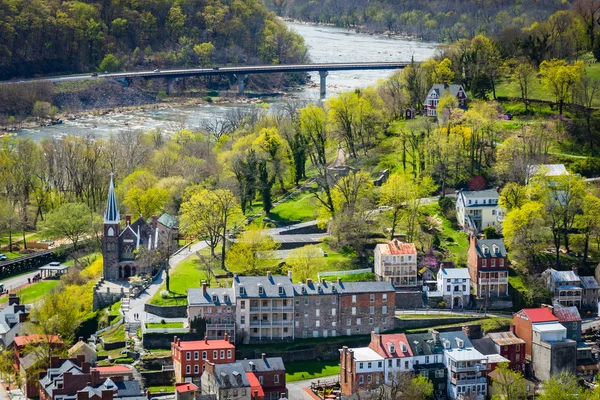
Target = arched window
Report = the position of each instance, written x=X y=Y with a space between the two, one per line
x=110 y=232
x=128 y=252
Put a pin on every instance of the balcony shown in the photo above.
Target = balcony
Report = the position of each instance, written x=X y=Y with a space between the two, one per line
x=468 y=380
x=268 y=323
x=493 y=281
x=399 y=272
x=271 y=309
x=220 y=326
x=472 y=368
x=399 y=263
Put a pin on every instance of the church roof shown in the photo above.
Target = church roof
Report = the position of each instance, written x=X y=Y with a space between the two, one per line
x=112 y=212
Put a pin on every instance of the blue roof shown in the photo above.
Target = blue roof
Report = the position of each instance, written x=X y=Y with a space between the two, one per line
x=112 y=212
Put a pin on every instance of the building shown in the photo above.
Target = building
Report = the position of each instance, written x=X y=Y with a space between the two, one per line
x=120 y=246
x=81 y=348
x=27 y=361
x=396 y=262
x=396 y=351
x=565 y=286
x=190 y=357
x=426 y=274
x=12 y=320
x=552 y=352
x=269 y=372
x=523 y=324
x=316 y=309
x=487 y=347
x=467 y=367
x=547 y=170
x=438 y=91
x=569 y=318
x=360 y=369
x=488 y=267
x=217 y=307
x=589 y=298
x=428 y=360
x=476 y=210
x=454 y=285
x=511 y=347
x=186 y=391
x=226 y=381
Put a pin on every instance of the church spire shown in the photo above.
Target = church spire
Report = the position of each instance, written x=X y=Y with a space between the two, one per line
x=112 y=212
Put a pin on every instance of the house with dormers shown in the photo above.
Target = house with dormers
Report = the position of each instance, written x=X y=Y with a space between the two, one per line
x=216 y=306
x=476 y=210
x=438 y=91
x=488 y=266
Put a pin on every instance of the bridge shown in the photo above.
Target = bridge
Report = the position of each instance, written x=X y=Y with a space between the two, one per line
x=240 y=73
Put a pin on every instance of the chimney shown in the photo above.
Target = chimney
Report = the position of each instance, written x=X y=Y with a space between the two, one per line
x=269 y=275
x=206 y=339
x=467 y=331
x=128 y=220
x=225 y=336
x=575 y=270
x=339 y=280
x=263 y=356
x=154 y=221
x=13 y=299
x=95 y=374
x=107 y=394
x=82 y=395
x=512 y=329
x=255 y=394
x=308 y=281
x=23 y=317
x=203 y=288
x=229 y=338
x=290 y=273
x=80 y=339
x=85 y=367
x=209 y=367
x=175 y=339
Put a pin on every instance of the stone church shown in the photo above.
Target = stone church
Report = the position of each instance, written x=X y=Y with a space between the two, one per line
x=121 y=246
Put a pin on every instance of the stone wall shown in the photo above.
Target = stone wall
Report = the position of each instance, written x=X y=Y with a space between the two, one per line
x=112 y=345
x=164 y=340
x=408 y=300
x=158 y=378
x=105 y=299
x=166 y=311
x=429 y=322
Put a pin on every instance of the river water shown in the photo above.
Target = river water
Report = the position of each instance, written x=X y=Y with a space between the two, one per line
x=325 y=44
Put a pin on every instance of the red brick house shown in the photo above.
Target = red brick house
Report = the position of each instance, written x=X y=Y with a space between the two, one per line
x=488 y=267
x=189 y=357
x=523 y=324
x=438 y=91
x=360 y=369
x=28 y=360
x=366 y=307
x=510 y=347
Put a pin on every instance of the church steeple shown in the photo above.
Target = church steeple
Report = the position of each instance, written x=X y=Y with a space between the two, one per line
x=111 y=216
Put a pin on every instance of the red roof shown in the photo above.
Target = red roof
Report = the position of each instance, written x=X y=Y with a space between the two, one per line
x=397 y=340
x=567 y=314
x=36 y=338
x=204 y=345
x=398 y=247
x=541 y=314
x=185 y=387
x=255 y=385
x=114 y=369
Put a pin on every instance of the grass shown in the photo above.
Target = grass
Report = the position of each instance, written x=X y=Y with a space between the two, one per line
x=116 y=334
x=88 y=257
x=35 y=292
x=367 y=276
x=302 y=370
x=429 y=316
x=158 y=389
x=166 y=325
x=489 y=324
x=301 y=207
x=451 y=238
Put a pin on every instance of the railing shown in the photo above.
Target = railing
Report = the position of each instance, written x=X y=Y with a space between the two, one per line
x=473 y=368
x=468 y=381
x=220 y=326
x=399 y=272
x=267 y=323
x=272 y=309
x=493 y=280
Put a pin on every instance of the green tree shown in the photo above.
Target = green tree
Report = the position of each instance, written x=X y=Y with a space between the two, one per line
x=524 y=231
x=563 y=386
x=147 y=202
x=43 y=109
x=304 y=262
x=109 y=63
x=71 y=220
x=58 y=314
x=560 y=78
x=588 y=223
x=512 y=196
x=252 y=252
x=508 y=384
x=524 y=75
x=204 y=51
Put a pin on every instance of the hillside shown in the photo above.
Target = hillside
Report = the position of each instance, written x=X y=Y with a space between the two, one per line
x=439 y=20
x=58 y=36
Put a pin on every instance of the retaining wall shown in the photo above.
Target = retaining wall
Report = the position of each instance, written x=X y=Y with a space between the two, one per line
x=158 y=378
x=166 y=311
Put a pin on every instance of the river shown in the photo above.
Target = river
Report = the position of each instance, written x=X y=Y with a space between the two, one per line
x=325 y=44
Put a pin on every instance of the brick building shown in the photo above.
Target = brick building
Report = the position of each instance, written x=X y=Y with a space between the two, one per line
x=488 y=267
x=509 y=346
x=316 y=309
x=269 y=372
x=396 y=262
x=227 y=382
x=524 y=320
x=366 y=307
x=27 y=361
x=217 y=307
x=189 y=358
x=360 y=369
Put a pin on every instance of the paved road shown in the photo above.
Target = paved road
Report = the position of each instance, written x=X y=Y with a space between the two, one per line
x=295 y=391
x=137 y=305
x=254 y=69
x=20 y=280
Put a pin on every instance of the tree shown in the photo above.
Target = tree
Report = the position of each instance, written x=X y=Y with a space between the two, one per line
x=524 y=75
x=145 y=202
x=563 y=386
x=71 y=220
x=512 y=196
x=586 y=94
x=588 y=10
x=7 y=362
x=43 y=109
x=58 y=314
x=252 y=251
x=560 y=78
x=204 y=51
x=109 y=63
x=523 y=230
x=303 y=261
x=404 y=385
x=588 y=223
x=508 y=384
x=199 y=218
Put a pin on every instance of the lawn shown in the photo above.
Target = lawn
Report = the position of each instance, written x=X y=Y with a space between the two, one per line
x=188 y=274
x=489 y=324
x=451 y=238
x=161 y=389
x=89 y=258
x=300 y=207
x=166 y=325
x=301 y=370
x=116 y=334
x=33 y=293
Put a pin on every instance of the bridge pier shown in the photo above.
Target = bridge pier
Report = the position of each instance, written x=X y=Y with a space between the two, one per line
x=171 y=85
x=323 y=78
x=241 y=82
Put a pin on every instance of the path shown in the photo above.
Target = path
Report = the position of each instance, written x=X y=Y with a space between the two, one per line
x=136 y=306
x=19 y=280
x=295 y=389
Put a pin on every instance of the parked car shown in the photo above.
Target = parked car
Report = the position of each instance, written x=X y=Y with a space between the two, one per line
x=94 y=74
x=216 y=68
x=49 y=241
x=156 y=70
x=3 y=257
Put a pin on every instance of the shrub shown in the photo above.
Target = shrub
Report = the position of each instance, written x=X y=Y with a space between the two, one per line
x=109 y=63
x=164 y=294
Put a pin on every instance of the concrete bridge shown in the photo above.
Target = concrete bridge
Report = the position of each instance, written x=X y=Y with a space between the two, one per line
x=240 y=73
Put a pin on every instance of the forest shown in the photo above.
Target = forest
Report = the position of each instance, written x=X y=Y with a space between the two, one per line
x=439 y=20
x=60 y=37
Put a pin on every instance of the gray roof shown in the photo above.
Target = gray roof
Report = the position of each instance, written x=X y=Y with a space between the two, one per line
x=125 y=389
x=548 y=169
x=485 y=346
x=196 y=298
x=231 y=375
x=54 y=376
x=112 y=211
x=423 y=344
x=563 y=276
x=475 y=194
x=366 y=287
x=270 y=286
x=168 y=220
x=453 y=335
x=589 y=282
x=260 y=365
x=324 y=288
x=9 y=318
x=490 y=243
x=440 y=89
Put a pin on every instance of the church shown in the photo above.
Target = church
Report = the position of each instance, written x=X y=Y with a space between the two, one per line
x=121 y=246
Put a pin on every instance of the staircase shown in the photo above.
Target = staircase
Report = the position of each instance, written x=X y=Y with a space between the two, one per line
x=125 y=305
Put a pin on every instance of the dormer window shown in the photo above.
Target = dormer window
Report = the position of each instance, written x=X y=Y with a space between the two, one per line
x=392 y=348
x=261 y=289
x=333 y=289
x=320 y=289
x=404 y=348
x=303 y=289
x=486 y=250
x=483 y=201
x=252 y=366
x=241 y=290
x=214 y=298
x=280 y=289
x=496 y=249
x=226 y=298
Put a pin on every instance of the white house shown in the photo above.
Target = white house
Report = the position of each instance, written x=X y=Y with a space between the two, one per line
x=467 y=369
x=547 y=170
x=454 y=285
x=438 y=91
x=476 y=210
x=396 y=262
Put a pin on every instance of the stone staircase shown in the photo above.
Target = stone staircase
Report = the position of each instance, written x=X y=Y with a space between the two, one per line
x=125 y=305
x=132 y=327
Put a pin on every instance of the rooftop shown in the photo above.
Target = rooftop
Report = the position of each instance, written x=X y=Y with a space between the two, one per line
x=387 y=341
x=36 y=338
x=505 y=338
x=547 y=170
x=270 y=286
x=549 y=327
x=541 y=314
x=483 y=194
x=231 y=375
x=168 y=220
x=490 y=248
x=224 y=296
x=204 y=345
x=185 y=387
x=567 y=314
x=485 y=346
x=366 y=354
x=454 y=273
x=589 y=282
x=397 y=247
x=260 y=365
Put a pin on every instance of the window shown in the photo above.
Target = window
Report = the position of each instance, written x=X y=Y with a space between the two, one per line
x=439 y=373
x=222 y=354
x=380 y=364
x=243 y=320
x=424 y=373
x=280 y=289
x=228 y=353
x=371 y=321
x=333 y=324
x=318 y=312
x=204 y=355
x=448 y=288
x=297 y=324
x=384 y=297
x=483 y=263
x=196 y=369
x=405 y=364
x=243 y=392
x=261 y=290
x=354 y=298
x=305 y=314
x=306 y=301
x=260 y=380
x=493 y=212
x=426 y=359
x=369 y=365
x=361 y=380
x=372 y=298
x=517 y=357
x=349 y=321
x=333 y=311
x=464 y=288
x=318 y=300
x=518 y=347
x=501 y=261
x=384 y=320
x=369 y=379
x=360 y=365
x=196 y=355
x=215 y=354
x=390 y=363
x=241 y=290
x=574 y=325
x=372 y=310
x=384 y=310
x=358 y=321
x=188 y=355
x=235 y=392
x=188 y=369
x=276 y=377
x=353 y=310
x=318 y=323
x=333 y=300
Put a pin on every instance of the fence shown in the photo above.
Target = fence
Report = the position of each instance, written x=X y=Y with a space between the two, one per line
x=340 y=273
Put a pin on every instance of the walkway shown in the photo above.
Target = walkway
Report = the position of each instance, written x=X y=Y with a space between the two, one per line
x=136 y=306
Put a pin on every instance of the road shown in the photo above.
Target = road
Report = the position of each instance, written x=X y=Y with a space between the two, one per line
x=254 y=69
x=19 y=280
